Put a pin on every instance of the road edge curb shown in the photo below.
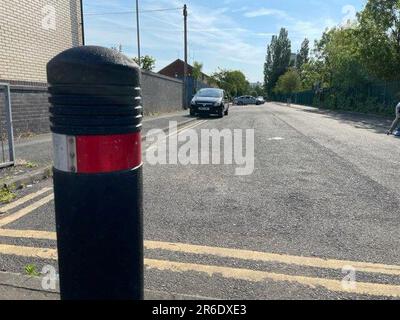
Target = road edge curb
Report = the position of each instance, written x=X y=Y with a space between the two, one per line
x=30 y=287
x=20 y=182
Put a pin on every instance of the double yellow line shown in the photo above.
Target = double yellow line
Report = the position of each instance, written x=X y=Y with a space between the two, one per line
x=177 y=132
x=23 y=212
x=360 y=288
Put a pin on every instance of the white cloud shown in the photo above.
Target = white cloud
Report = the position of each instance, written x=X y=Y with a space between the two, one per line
x=216 y=38
x=241 y=9
x=266 y=12
x=300 y=29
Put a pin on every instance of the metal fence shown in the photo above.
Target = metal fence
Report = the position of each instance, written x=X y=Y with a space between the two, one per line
x=7 y=152
x=378 y=98
x=306 y=98
x=192 y=86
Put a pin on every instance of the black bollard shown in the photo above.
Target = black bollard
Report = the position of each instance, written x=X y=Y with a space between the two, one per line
x=96 y=117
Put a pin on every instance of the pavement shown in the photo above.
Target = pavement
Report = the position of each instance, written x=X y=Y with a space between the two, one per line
x=22 y=287
x=317 y=219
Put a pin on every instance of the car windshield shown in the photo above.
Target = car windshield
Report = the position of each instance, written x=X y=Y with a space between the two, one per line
x=212 y=93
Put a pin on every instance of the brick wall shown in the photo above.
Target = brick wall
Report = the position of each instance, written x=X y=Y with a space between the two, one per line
x=30 y=110
x=28 y=40
x=30 y=106
x=161 y=94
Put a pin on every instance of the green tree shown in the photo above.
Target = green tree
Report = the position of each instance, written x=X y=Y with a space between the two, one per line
x=232 y=81
x=378 y=38
x=258 y=91
x=303 y=56
x=277 y=60
x=197 y=70
x=338 y=66
x=289 y=82
x=146 y=62
x=310 y=75
x=268 y=65
x=350 y=62
x=340 y=60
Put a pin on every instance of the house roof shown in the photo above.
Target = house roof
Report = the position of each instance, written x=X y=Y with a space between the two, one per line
x=177 y=67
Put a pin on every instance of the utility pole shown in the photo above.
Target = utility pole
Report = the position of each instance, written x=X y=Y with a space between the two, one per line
x=138 y=31
x=185 y=68
x=82 y=24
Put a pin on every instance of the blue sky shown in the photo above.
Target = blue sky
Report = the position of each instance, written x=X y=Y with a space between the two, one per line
x=231 y=34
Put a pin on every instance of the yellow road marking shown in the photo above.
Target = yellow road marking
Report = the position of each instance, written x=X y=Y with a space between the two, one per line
x=21 y=201
x=273 y=257
x=23 y=212
x=361 y=288
x=191 y=126
x=29 y=252
x=234 y=253
x=179 y=131
x=28 y=234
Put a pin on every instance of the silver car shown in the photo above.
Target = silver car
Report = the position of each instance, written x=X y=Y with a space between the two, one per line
x=246 y=100
x=260 y=101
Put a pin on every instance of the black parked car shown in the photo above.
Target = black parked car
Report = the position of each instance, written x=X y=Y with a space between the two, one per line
x=210 y=101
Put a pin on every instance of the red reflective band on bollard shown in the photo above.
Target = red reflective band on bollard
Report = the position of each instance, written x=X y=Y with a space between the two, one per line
x=111 y=153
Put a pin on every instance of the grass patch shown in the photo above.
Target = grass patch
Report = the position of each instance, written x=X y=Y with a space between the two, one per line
x=31 y=270
x=31 y=165
x=6 y=195
x=26 y=135
x=26 y=164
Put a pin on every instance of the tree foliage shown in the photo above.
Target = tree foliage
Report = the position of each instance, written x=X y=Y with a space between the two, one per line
x=353 y=67
x=340 y=60
x=303 y=56
x=351 y=57
x=277 y=59
x=146 y=62
x=232 y=81
x=257 y=91
x=288 y=83
x=378 y=36
x=197 y=70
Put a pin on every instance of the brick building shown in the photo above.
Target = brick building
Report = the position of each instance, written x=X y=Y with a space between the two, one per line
x=34 y=31
x=176 y=70
x=31 y=33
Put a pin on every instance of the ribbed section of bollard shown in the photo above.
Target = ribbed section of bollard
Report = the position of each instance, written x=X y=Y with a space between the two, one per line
x=94 y=91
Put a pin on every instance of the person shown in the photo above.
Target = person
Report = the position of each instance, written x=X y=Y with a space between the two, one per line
x=396 y=121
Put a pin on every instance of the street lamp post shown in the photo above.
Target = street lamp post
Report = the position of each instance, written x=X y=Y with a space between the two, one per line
x=138 y=31
x=185 y=68
x=82 y=24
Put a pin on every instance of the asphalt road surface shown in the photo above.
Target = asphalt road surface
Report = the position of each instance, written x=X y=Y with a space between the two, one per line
x=324 y=196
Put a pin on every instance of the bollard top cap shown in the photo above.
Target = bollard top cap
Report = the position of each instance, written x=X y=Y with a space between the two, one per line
x=92 y=65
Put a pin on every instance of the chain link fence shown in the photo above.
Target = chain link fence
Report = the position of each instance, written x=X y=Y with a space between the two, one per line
x=376 y=98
